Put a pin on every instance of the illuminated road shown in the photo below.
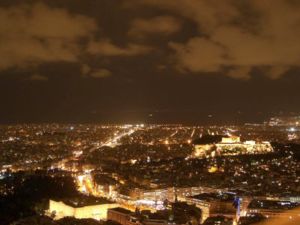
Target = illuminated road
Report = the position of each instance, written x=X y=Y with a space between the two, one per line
x=117 y=136
x=193 y=132
x=115 y=140
x=172 y=135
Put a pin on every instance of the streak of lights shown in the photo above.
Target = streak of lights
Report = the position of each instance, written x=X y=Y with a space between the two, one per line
x=193 y=132
x=172 y=135
x=114 y=141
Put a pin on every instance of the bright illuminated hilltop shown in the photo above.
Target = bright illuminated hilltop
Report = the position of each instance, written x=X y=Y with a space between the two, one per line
x=213 y=145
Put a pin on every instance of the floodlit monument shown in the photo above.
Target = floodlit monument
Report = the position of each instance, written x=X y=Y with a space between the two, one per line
x=211 y=145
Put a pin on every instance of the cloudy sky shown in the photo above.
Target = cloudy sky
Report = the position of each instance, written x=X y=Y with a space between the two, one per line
x=148 y=60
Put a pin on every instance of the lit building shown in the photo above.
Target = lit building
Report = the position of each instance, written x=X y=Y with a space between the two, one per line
x=180 y=213
x=80 y=209
x=104 y=185
x=219 y=145
x=231 y=140
x=284 y=121
x=154 y=194
x=122 y=216
x=215 y=204
x=273 y=208
x=155 y=198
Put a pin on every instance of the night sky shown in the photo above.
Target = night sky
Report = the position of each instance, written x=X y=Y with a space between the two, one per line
x=156 y=61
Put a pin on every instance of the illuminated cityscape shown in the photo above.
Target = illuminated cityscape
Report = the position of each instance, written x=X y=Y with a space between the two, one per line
x=150 y=167
x=149 y=112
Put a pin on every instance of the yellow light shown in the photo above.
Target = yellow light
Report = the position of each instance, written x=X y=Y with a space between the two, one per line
x=133 y=161
x=212 y=169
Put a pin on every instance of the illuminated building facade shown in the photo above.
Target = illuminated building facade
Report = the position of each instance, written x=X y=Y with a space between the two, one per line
x=230 y=146
x=178 y=214
x=154 y=199
x=98 y=212
x=215 y=204
x=121 y=216
x=273 y=208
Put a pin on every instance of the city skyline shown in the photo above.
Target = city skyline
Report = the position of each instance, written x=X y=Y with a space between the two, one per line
x=149 y=112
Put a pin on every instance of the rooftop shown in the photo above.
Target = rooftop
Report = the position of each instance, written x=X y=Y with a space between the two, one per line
x=82 y=201
x=121 y=210
x=215 y=197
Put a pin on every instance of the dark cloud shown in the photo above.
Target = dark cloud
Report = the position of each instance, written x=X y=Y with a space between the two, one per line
x=87 y=71
x=229 y=38
x=105 y=47
x=269 y=39
x=34 y=34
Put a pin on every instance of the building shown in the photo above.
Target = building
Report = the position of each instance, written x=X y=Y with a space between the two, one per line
x=82 y=208
x=273 y=208
x=104 y=185
x=154 y=194
x=122 y=216
x=218 y=220
x=212 y=145
x=179 y=213
x=216 y=204
x=154 y=198
x=284 y=121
